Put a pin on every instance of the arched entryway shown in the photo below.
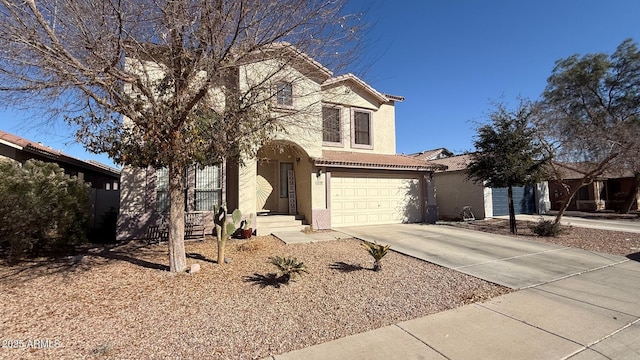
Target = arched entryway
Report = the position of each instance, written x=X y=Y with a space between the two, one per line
x=283 y=182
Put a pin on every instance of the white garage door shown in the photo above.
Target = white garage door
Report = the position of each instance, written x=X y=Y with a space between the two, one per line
x=368 y=200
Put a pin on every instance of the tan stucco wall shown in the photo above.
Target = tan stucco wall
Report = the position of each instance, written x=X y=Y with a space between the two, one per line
x=454 y=191
x=302 y=123
x=134 y=213
x=384 y=131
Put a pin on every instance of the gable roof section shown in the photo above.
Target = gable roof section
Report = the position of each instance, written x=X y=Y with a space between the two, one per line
x=362 y=85
x=454 y=163
x=433 y=154
x=354 y=160
x=577 y=171
x=56 y=155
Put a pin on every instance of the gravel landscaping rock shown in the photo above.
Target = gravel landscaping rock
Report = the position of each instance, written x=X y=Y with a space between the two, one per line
x=610 y=242
x=120 y=302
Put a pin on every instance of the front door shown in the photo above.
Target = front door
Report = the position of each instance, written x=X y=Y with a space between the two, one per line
x=284 y=188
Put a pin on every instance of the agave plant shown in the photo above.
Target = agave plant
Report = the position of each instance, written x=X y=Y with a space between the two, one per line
x=288 y=266
x=376 y=251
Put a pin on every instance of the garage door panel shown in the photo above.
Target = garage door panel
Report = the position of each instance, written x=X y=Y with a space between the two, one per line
x=523 y=200
x=360 y=200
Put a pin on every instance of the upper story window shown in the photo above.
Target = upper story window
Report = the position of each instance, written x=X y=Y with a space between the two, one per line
x=331 y=126
x=284 y=94
x=361 y=129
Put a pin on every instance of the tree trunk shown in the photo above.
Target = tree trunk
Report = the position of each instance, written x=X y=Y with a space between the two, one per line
x=177 y=255
x=633 y=192
x=512 y=212
x=571 y=193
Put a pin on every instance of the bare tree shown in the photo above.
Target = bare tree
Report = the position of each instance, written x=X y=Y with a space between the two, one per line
x=592 y=119
x=193 y=79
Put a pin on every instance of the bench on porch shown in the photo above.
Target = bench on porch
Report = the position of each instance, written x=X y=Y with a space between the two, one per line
x=193 y=226
x=157 y=233
x=194 y=229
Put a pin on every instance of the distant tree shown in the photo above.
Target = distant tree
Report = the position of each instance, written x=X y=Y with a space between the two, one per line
x=42 y=208
x=182 y=74
x=508 y=153
x=592 y=116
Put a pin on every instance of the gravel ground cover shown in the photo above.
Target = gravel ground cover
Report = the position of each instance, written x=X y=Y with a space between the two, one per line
x=121 y=303
x=611 y=242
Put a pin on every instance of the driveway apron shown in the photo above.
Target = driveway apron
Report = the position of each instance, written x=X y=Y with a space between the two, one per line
x=573 y=304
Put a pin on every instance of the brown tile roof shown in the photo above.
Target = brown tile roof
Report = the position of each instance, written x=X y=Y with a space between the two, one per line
x=454 y=163
x=345 y=159
x=57 y=155
x=576 y=171
x=24 y=143
x=432 y=154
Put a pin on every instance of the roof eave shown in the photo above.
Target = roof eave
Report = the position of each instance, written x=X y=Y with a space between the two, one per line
x=354 y=165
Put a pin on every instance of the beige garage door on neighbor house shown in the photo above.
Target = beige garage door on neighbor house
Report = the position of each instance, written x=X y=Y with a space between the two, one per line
x=374 y=199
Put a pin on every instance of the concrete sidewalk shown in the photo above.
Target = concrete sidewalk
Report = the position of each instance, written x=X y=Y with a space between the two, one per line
x=575 y=304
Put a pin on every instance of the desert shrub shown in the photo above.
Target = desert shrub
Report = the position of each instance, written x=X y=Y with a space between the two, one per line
x=288 y=267
x=253 y=245
x=42 y=209
x=377 y=252
x=546 y=228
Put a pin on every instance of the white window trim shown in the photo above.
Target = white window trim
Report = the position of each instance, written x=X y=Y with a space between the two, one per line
x=353 y=129
x=340 y=125
x=293 y=100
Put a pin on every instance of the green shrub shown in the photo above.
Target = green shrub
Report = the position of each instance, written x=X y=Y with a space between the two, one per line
x=376 y=251
x=288 y=266
x=547 y=228
x=42 y=209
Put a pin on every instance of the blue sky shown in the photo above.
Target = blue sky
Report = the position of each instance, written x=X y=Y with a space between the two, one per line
x=448 y=58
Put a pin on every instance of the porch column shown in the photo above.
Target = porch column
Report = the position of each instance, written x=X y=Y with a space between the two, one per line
x=597 y=189
x=430 y=204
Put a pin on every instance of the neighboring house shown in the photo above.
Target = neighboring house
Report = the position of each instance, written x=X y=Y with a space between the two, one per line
x=435 y=154
x=607 y=192
x=104 y=180
x=455 y=191
x=340 y=169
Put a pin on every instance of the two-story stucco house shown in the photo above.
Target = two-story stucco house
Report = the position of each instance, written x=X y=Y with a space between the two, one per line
x=339 y=169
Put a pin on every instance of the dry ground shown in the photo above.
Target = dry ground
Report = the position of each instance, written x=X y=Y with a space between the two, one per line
x=611 y=242
x=122 y=303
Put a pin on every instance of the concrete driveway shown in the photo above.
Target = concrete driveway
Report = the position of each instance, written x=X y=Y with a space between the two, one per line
x=503 y=260
x=590 y=312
